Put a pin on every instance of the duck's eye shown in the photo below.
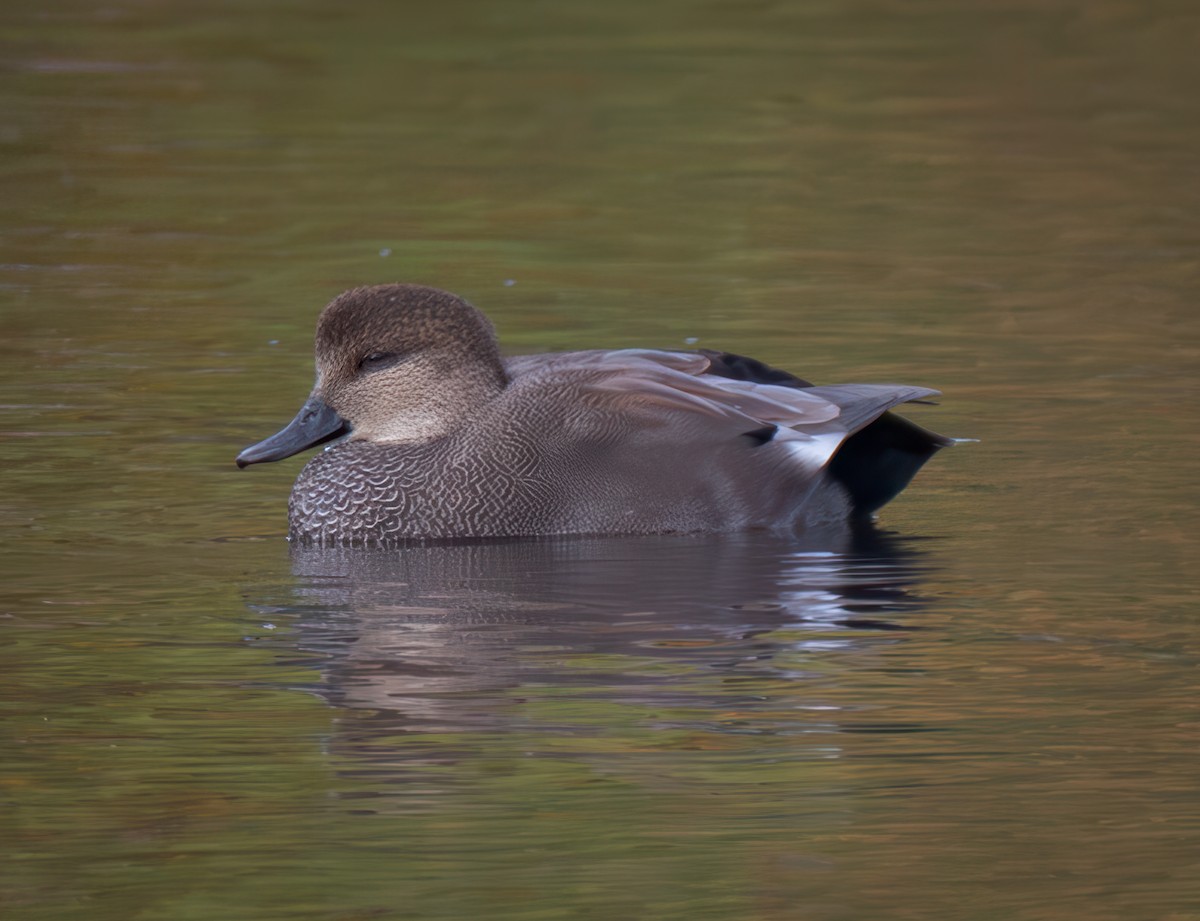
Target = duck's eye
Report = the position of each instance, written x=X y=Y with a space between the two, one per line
x=377 y=361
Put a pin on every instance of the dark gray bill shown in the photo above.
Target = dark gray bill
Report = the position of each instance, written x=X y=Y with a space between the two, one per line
x=315 y=424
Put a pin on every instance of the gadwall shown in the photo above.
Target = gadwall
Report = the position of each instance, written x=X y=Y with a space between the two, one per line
x=441 y=437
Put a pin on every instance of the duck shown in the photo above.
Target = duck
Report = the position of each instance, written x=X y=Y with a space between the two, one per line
x=430 y=433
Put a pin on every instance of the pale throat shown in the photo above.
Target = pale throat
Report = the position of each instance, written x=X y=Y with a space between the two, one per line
x=435 y=416
x=415 y=425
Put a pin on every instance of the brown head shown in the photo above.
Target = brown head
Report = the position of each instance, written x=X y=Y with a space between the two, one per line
x=395 y=363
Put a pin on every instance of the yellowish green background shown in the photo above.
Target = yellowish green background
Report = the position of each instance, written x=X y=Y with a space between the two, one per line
x=987 y=711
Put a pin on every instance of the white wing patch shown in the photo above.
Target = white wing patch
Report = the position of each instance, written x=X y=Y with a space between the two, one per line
x=811 y=452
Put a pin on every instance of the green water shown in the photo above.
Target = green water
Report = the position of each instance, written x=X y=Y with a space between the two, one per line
x=987 y=710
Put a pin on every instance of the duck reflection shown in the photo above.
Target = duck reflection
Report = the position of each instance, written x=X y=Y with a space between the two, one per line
x=460 y=637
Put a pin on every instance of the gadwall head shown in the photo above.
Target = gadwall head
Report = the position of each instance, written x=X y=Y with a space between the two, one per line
x=395 y=363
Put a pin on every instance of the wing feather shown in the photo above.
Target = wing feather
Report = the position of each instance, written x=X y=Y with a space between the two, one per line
x=655 y=385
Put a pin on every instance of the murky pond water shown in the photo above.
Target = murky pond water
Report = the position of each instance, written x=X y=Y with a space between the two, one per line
x=984 y=708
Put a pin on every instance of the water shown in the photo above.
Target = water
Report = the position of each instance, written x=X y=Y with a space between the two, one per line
x=985 y=708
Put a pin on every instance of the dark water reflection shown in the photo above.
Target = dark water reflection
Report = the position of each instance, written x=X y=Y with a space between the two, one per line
x=456 y=638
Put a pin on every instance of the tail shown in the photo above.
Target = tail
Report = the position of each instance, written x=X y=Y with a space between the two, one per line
x=883 y=452
x=878 y=461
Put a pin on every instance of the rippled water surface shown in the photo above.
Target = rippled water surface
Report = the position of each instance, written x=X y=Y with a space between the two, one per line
x=986 y=707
